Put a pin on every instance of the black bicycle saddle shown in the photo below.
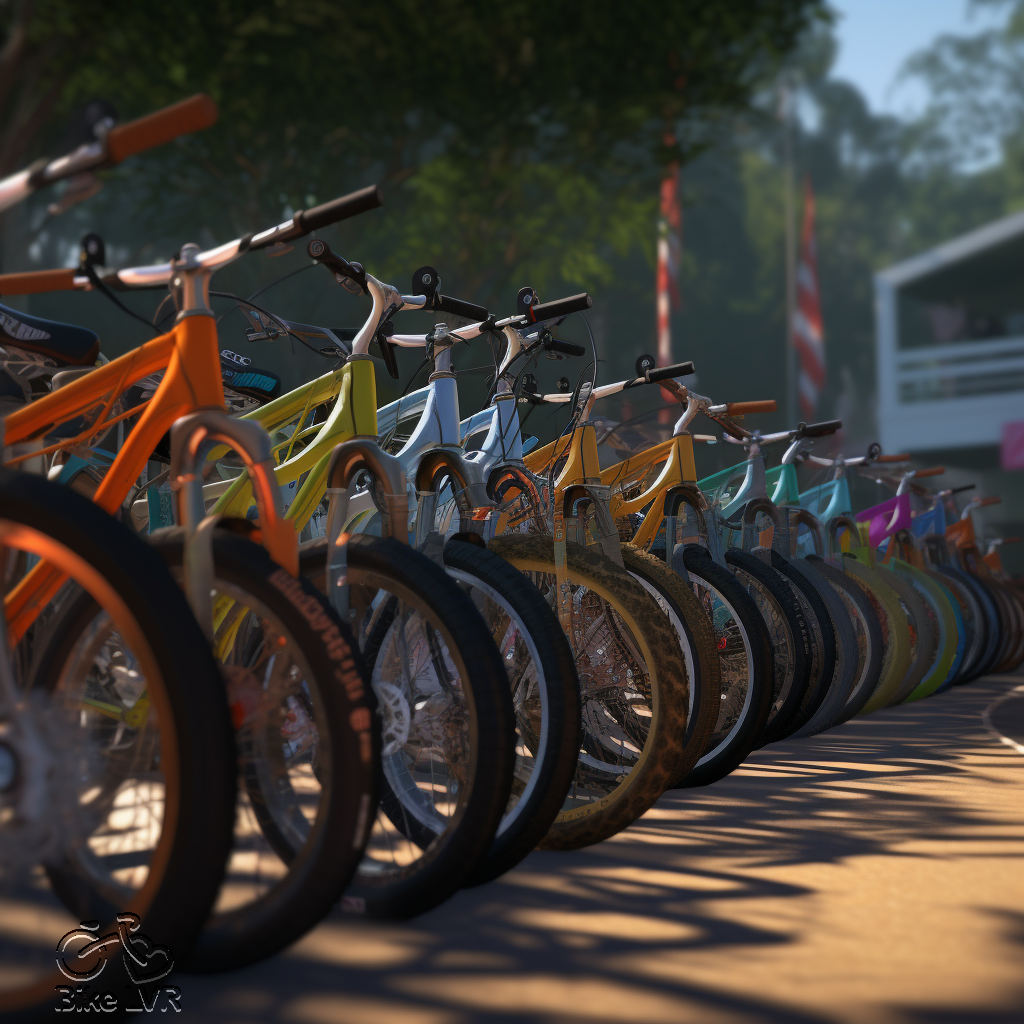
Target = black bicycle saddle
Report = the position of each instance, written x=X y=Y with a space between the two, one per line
x=65 y=343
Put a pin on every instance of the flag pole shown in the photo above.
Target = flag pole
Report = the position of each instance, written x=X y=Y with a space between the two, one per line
x=785 y=115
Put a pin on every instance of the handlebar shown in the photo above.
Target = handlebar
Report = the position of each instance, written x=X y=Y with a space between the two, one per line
x=822 y=429
x=160 y=274
x=305 y=221
x=34 y=281
x=991 y=500
x=665 y=372
x=457 y=307
x=932 y=471
x=892 y=458
x=558 y=308
x=191 y=115
x=743 y=408
x=119 y=143
x=565 y=347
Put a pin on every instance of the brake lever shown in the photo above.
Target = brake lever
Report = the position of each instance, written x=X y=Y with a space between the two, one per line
x=387 y=350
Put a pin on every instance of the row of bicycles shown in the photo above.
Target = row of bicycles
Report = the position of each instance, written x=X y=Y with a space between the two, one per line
x=270 y=654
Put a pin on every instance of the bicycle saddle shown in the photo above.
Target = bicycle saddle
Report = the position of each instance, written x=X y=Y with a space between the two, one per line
x=66 y=343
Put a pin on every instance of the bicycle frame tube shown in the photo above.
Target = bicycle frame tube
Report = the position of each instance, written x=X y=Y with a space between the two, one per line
x=678 y=469
x=192 y=381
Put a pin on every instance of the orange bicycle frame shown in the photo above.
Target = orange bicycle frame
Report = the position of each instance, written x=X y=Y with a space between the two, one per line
x=190 y=357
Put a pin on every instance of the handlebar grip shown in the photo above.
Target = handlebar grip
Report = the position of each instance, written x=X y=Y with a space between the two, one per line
x=822 y=429
x=993 y=499
x=665 y=372
x=933 y=471
x=339 y=209
x=191 y=115
x=742 y=408
x=892 y=458
x=559 y=307
x=34 y=281
x=456 y=307
x=565 y=347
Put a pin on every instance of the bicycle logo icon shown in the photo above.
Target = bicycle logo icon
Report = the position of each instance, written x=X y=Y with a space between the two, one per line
x=82 y=953
x=82 y=957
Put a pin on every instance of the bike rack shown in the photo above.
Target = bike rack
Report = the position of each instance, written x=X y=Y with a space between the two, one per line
x=192 y=438
x=389 y=494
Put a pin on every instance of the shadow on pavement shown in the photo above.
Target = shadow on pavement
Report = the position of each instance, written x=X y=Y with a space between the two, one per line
x=610 y=933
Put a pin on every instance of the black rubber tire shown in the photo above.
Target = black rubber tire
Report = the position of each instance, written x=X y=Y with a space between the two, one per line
x=662 y=756
x=926 y=647
x=195 y=697
x=556 y=761
x=973 y=620
x=318 y=872
x=697 y=642
x=830 y=612
x=989 y=618
x=386 y=563
x=743 y=737
x=791 y=648
x=869 y=636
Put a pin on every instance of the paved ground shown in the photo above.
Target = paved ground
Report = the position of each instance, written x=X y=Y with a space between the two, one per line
x=874 y=874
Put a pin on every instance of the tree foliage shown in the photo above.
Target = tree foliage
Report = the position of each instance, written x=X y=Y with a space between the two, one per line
x=514 y=139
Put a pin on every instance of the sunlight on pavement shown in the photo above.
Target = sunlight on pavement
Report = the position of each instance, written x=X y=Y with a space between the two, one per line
x=871 y=875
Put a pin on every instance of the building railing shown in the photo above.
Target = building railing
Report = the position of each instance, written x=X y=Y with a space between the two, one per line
x=968 y=369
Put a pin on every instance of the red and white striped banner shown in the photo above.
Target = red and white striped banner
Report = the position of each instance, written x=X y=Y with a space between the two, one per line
x=667 y=289
x=807 y=334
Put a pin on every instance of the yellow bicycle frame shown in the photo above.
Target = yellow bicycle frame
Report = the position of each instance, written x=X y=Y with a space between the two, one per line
x=354 y=414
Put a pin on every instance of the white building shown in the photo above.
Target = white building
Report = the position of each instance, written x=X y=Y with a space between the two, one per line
x=950 y=337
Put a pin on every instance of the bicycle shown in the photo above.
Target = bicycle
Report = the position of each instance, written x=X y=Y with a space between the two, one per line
x=307 y=737
x=122 y=767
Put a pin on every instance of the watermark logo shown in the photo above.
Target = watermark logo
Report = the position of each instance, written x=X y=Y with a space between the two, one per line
x=82 y=957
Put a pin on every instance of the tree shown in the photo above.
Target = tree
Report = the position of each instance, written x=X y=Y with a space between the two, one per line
x=482 y=121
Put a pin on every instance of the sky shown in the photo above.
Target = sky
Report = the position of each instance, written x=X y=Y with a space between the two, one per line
x=877 y=36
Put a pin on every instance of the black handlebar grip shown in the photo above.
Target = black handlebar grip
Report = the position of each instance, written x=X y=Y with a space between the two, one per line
x=559 y=308
x=822 y=429
x=664 y=372
x=565 y=347
x=340 y=209
x=456 y=307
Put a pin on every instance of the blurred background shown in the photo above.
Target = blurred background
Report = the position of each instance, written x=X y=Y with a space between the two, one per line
x=815 y=202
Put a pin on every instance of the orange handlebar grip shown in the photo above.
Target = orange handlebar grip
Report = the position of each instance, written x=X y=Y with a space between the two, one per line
x=893 y=458
x=191 y=115
x=934 y=471
x=992 y=500
x=742 y=408
x=33 y=281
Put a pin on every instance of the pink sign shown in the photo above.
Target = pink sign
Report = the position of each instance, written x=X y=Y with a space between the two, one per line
x=1012 y=449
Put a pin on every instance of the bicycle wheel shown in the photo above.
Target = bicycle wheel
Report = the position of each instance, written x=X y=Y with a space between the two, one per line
x=545 y=695
x=119 y=775
x=790 y=626
x=983 y=617
x=819 y=713
x=448 y=744
x=696 y=641
x=1013 y=626
x=306 y=749
x=893 y=618
x=633 y=689
x=940 y=613
x=869 y=639
x=745 y=659
x=973 y=627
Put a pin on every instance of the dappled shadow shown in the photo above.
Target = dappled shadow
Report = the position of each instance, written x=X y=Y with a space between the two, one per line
x=612 y=933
